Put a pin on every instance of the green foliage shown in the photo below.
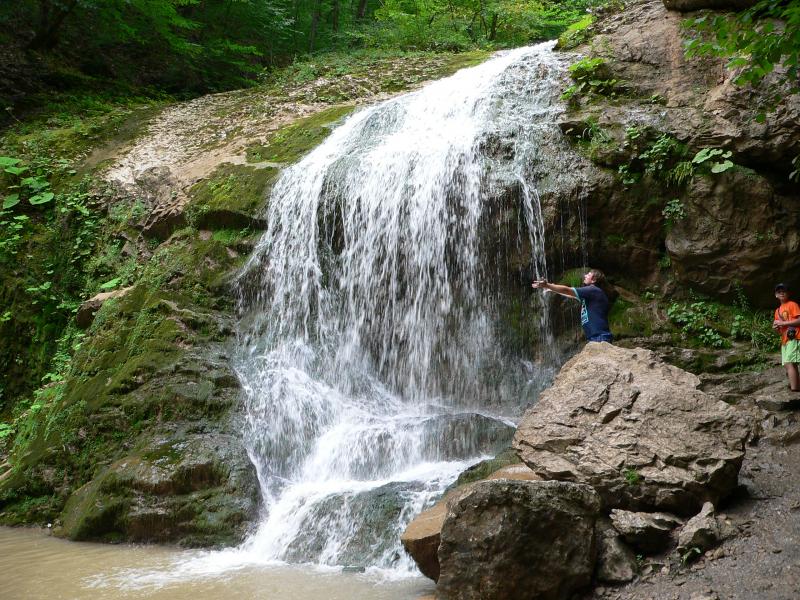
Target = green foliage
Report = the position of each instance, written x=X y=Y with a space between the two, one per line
x=662 y=158
x=460 y=24
x=755 y=40
x=697 y=320
x=752 y=326
x=576 y=34
x=690 y=554
x=673 y=211
x=715 y=159
x=632 y=477
x=194 y=46
x=592 y=78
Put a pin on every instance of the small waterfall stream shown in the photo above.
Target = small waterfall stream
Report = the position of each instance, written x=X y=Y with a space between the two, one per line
x=371 y=345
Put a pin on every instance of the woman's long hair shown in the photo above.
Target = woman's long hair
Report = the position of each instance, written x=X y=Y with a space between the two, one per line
x=601 y=282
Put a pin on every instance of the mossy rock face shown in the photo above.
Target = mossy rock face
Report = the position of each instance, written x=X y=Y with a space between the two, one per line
x=289 y=144
x=198 y=489
x=138 y=442
x=231 y=198
x=483 y=469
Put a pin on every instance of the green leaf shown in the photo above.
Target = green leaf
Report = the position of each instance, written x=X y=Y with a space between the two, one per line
x=16 y=170
x=41 y=198
x=36 y=183
x=7 y=161
x=721 y=167
x=109 y=285
x=10 y=201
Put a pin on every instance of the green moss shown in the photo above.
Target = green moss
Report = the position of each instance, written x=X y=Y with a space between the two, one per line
x=573 y=277
x=289 y=144
x=627 y=319
x=576 y=34
x=231 y=197
x=486 y=467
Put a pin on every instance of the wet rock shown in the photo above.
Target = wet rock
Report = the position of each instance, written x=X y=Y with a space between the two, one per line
x=356 y=523
x=636 y=429
x=89 y=308
x=648 y=532
x=467 y=434
x=616 y=562
x=703 y=532
x=422 y=536
x=181 y=487
x=518 y=540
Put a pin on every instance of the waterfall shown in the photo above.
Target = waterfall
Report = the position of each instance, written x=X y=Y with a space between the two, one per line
x=372 y=348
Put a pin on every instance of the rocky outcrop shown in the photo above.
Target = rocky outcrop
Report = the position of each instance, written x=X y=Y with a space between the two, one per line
x=88 y=309
x=694 y=102
x=636 y=429
x=616 y=563
x=422 y=536
x=518 y=540
x=690 y=5
x=196 y=488
x=648 y=532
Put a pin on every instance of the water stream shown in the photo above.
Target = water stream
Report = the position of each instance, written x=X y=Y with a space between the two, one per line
x=372 y=348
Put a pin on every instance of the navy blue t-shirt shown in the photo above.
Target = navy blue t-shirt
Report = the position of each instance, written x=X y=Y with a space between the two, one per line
x=594 y=313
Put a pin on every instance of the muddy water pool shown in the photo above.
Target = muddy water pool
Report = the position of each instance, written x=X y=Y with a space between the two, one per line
x=37 y=566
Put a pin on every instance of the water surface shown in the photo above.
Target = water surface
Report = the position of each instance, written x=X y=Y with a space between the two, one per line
x=37 y=566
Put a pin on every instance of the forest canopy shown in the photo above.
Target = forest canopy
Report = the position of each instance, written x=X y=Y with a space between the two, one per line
x=194 y=46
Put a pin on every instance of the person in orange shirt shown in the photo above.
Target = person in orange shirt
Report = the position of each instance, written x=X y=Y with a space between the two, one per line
x=787 y=322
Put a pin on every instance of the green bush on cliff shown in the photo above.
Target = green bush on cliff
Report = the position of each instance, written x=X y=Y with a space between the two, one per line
x=592 y=77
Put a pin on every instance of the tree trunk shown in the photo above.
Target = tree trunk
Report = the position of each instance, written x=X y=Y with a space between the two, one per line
x=335 y=16
x=50 y=20
x=493 y=29
x=312 y=36
x=362 y=9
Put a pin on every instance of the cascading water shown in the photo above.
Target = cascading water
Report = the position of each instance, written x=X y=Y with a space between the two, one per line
x=371 y=342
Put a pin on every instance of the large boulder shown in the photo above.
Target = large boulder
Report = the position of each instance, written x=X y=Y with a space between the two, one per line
x=198 y=489
x=636 y=429
x=422 y=536
x=518 y=539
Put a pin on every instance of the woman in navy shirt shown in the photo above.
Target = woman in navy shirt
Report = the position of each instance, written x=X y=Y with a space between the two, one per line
x=595 y=303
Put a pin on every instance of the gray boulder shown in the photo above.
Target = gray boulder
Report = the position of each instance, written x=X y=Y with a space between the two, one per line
x=518 y=539
x=704 y=531
x=616 y=562
x=636 y=429
x=422 y=536
x=648 y=532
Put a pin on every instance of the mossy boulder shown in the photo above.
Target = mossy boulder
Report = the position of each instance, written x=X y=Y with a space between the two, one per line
x=197 y=488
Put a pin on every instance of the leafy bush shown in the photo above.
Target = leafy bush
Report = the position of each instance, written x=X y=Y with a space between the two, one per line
x=697 y=320
x=592 y=77
x=673 y=211
x=576 y=34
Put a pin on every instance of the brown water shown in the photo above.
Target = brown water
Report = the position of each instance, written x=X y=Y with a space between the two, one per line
x=37 y=566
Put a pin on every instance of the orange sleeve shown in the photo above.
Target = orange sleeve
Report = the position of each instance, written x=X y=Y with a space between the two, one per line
x=794 y=311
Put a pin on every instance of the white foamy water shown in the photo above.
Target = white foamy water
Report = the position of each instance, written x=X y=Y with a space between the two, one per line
x=370 y=350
